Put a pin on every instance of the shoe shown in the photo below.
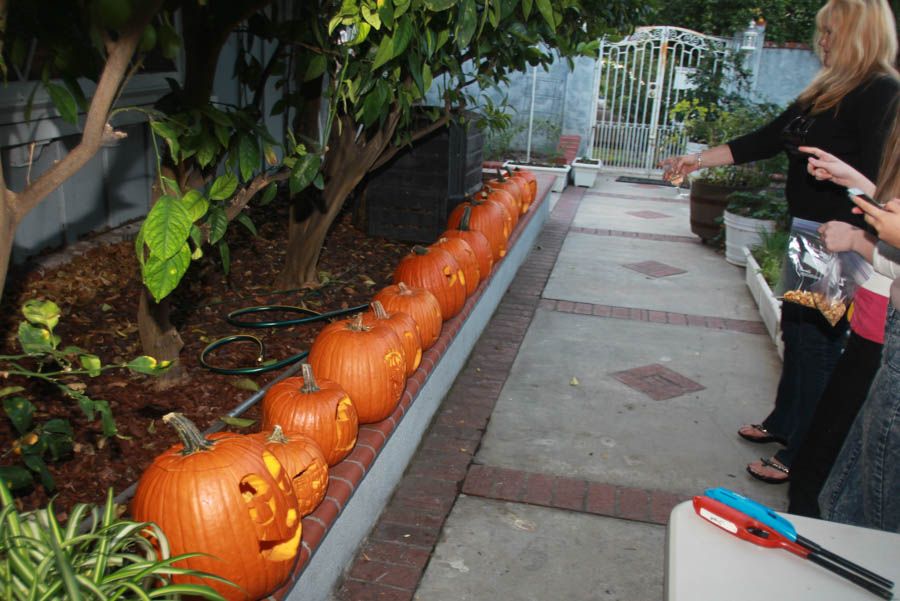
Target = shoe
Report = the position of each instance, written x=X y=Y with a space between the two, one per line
x=766 y=435
x=774 y=464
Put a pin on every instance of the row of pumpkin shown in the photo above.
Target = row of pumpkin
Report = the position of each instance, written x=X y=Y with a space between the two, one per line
x=236 y=499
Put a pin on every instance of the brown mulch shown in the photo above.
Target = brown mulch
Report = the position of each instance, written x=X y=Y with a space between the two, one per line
x=98 y=294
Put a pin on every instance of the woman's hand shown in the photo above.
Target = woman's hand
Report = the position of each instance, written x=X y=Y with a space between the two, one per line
x=840 y=236
x=827 y=167
x=677 y=167
x=886 y=221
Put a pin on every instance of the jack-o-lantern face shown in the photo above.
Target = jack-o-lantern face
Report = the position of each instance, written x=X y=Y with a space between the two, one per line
x=227 y=497
x=304 y=465
x=321 y=410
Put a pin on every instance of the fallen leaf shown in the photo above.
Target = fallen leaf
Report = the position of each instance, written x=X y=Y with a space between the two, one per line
x=573 y=381
x=246 y=384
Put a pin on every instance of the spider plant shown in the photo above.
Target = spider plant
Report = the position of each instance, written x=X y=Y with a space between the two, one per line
x=94 y=556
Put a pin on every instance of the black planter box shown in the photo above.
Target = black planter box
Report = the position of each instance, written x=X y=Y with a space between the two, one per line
x=411 y=197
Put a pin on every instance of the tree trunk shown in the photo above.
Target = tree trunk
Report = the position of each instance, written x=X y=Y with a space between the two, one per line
x=348 y=161
x=159 y=338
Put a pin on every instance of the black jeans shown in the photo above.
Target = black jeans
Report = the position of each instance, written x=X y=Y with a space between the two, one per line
x=844 y=394
x=811 y=350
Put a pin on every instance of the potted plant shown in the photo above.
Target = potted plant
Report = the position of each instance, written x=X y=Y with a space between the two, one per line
x=748 y=215
x=585 y=170
x=763 y=268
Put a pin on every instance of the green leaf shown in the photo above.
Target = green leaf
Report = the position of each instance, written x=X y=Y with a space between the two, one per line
x=92 y=364
x=64 y=102
x=36 y=464
x=8 y=390
x=240 y=422
x=245 y=384
x=41 y=312
x=439 y=5
x=416 y=72
x=148 y=365
x=195 y=204
x=207 y=151
x=15 y=477
x=35 y=340
x=218 y=223
x=269 y=153
x=108 y=423
x=386 y=13
x=466 y=24
x=304 y=171
x=162 y=276
x=169 y=134
x=526 y=8
x=248 y=147
x=223 y=187
x=19 y=410
x=385 y=52
x=371 y=17
x=269 y=194
x=402 y=35
x=247 y=223
x=225 y=255
x=546 y=10
x=223 y=135
x=167 y=227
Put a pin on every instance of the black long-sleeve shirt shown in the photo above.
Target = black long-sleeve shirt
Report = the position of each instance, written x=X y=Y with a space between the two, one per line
x=854 y=131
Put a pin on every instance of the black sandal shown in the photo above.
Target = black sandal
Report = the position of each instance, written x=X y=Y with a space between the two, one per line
x=769 y=437
x=775 y=465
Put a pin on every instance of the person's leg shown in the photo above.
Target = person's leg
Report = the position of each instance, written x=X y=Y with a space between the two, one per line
x=863 y=487
x=844 y=394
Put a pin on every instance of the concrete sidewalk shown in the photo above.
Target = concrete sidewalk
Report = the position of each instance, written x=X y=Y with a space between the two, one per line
x=607 y=387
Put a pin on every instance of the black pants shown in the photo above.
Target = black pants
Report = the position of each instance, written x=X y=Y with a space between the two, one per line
x=844 y=394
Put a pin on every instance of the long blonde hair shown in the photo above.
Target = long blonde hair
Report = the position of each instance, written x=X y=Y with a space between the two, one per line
x=889 y=172
x=862 y=44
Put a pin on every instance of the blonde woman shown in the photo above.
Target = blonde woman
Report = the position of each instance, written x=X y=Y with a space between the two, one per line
x=845 y=111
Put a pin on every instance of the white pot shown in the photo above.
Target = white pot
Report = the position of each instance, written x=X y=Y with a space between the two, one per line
x=585 y=173
x=561 y=173
x=741 y=232
x=694 y=147
x=769 y=306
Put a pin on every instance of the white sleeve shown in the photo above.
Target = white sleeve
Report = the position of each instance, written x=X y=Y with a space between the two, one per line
x=886 y=260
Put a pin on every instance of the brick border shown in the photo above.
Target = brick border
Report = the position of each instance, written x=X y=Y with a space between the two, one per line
x=638 y=235
x=662 y=317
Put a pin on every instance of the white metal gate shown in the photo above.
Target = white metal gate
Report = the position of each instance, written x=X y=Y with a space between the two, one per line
x=637 y=81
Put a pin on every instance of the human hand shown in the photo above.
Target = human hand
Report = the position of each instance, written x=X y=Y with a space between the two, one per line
x=886 y=220
x=679 y=166
x=826 y=167
x=840 y=236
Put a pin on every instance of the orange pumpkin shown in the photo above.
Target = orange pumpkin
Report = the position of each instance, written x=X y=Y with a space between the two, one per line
x=227 y=496
x=513 y=187
x=529 y=178
x=504 y=198
x=366 y=360
x=405 y=328
x=476 y=241
x=466 y=258
x=321 y=410
x=304 y=463
x=437 y=271
x=488 y=217
x=418 y=303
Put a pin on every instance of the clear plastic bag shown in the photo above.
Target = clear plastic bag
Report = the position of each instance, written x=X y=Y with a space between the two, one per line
x=814 y=277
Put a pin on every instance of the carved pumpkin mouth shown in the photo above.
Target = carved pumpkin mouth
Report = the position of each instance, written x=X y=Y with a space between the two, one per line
x=277 y=527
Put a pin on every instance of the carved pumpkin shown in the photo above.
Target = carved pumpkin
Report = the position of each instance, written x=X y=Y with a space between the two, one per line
x=476 y=241
x=225 y=495
x=437 y=271
x=529 y=178
x=504 y=198
x=304 y=463
x=418 y=303
x=488 y=217
x=321 y=410
x=366 y=360
x=466 y=258
x=512 y=186
x=404 y=327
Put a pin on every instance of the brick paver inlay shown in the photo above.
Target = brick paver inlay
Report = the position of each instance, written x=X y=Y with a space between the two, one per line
x=657 y=382
x=648 y=214
x=654 y=269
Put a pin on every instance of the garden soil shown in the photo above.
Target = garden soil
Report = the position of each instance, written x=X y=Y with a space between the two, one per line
x=98 y=294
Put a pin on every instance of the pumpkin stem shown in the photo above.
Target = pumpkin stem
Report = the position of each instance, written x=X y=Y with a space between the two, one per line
x=190 y=436
x=466 y=216
x=356 y=324
x=277 y=435
x=404 y=289
x=309 y=382
x=500 y=177
x=420 y=250
x=378 y=309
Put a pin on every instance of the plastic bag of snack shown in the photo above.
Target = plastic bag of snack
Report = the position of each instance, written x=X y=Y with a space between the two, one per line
x=814 y=277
